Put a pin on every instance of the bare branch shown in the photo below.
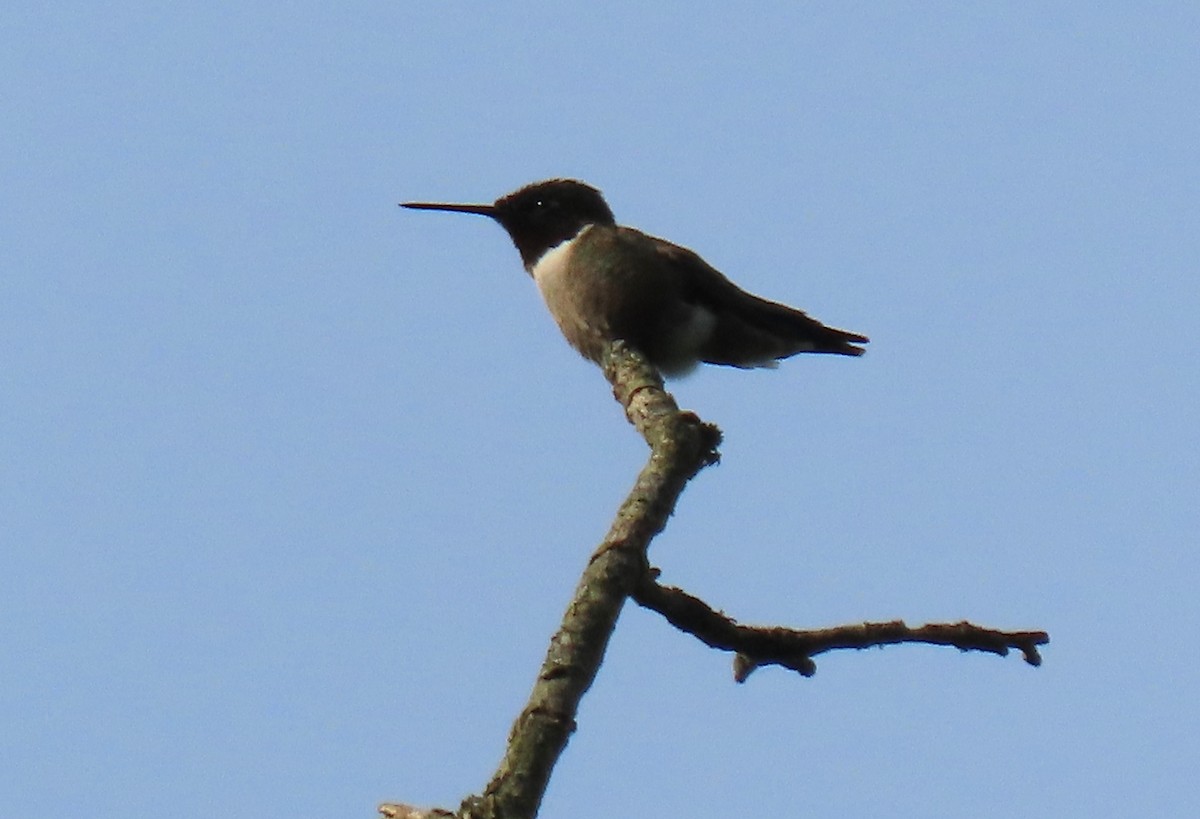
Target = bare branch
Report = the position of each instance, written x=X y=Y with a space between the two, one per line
x=794 y=648
x=395 y=810
x=681 y=445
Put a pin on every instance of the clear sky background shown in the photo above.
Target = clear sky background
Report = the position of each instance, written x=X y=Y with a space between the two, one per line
x=294 y=485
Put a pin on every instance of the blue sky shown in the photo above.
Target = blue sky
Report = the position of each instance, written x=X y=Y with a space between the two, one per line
x=295 y=484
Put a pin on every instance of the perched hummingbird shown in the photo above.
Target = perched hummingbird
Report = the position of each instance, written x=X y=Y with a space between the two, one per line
x=604 y=282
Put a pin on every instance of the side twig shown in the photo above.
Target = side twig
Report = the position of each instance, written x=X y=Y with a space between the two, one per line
x=757 y=646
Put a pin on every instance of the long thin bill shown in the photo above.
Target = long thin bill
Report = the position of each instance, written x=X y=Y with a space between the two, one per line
x=482 y=210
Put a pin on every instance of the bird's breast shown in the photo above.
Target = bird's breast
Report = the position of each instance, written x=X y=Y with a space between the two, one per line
x=568 y=296
x=550 y=270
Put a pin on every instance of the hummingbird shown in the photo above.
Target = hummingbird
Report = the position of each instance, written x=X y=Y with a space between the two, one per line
x=602 y=282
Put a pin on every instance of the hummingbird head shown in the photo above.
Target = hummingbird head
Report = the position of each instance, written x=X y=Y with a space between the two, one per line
x=539 y=216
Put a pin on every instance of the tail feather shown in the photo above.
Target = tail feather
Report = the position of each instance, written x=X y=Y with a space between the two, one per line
x=763 y=332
